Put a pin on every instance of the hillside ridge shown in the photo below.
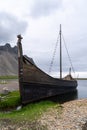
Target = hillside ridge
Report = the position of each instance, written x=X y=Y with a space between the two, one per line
x=8 y=60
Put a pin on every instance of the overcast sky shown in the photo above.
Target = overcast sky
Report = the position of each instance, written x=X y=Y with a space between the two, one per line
x=38 y=22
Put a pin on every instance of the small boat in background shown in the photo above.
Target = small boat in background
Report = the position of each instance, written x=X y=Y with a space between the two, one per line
x=34 y=84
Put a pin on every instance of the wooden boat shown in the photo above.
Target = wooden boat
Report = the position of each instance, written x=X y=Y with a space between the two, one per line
x=35 y=84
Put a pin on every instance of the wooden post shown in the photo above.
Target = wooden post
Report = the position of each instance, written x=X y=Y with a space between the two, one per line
x=20 y=64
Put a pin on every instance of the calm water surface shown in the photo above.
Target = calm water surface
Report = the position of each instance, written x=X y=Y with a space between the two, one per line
x=82 y=89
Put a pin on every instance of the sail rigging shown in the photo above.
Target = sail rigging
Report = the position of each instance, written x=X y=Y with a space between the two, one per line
x=54 y=53
x=60 y=37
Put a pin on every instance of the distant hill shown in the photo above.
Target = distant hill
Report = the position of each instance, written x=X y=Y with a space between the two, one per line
x=8 y=60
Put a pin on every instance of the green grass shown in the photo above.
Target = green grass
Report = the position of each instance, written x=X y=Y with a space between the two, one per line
x=8 y=77
x=10 y=100
x=3 y=82
x=28 y=114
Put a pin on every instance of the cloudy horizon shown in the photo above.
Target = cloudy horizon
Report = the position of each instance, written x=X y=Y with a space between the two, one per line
x=38 y=21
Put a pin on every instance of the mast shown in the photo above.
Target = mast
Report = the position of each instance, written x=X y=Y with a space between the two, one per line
x=60 y=54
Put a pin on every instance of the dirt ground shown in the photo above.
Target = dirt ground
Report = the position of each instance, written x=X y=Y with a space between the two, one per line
x=11 y=85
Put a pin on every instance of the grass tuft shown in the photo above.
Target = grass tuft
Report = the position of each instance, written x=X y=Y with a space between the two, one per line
x=29 y=114
x=9 y=101
x=8 y=77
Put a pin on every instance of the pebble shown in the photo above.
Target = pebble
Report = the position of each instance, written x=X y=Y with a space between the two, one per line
x=73 y=116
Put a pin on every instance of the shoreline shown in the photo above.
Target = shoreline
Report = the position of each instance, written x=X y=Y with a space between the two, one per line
x=71 y=115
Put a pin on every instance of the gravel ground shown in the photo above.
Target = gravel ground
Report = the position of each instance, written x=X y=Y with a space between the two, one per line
x=73 y=116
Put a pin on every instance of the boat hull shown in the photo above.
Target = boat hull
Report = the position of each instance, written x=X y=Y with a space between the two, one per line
x=36 y=91
x=34 y=84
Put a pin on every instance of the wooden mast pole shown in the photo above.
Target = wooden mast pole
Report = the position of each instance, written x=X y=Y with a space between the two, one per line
x=60 y=55
x=20 y=64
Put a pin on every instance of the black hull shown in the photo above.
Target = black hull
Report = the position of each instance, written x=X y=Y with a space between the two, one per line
x=34 y=92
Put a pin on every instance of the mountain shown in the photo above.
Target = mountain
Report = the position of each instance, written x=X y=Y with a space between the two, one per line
x=8 y=60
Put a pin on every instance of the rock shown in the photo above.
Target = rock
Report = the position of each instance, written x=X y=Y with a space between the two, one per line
x=5 y=91
x=19 y=108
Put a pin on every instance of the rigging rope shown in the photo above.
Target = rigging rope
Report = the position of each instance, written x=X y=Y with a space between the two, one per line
x=52 y=61
x=68 y=54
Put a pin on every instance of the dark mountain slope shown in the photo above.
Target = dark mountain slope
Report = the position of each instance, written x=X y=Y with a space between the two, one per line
x=8 y=60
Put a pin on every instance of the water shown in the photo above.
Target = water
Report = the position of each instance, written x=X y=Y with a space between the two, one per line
x=82 y=89
x=80 y=93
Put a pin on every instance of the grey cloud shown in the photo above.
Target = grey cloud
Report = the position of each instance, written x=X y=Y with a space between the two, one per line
x=44 y=7
x=43 y=60
x=10 y=26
